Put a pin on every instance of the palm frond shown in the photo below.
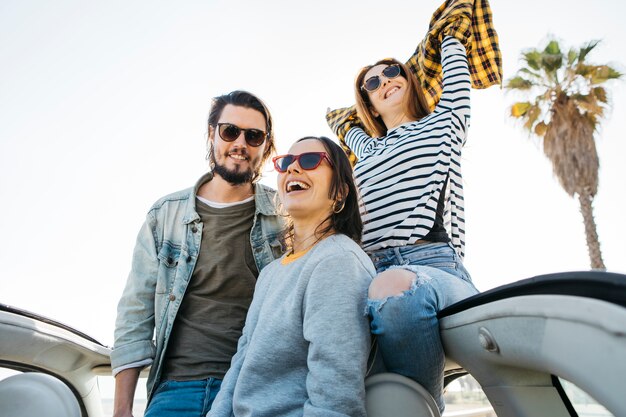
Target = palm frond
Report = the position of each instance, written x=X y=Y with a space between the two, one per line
x=585 y=49
x=519 y=83
x=531 y=117
x=588 y=103
x=572 y=56
x=600 y=94
x=551 y=63
x=552 y=48
x=533 y=59
x=614 y=74
x=540 y=129
x=584 y=70
x=603 y=73
x=519 y=109
x=529 y=72
x=559 y=85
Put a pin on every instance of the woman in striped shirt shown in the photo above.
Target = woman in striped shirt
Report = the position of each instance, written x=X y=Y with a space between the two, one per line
x=411 y=188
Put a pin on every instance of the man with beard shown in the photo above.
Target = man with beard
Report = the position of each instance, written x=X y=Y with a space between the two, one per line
x=194 y=269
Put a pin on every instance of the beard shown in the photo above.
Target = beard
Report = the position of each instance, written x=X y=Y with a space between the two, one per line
x=233 y=176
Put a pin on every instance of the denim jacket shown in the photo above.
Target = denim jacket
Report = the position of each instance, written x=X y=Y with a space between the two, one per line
x=164 y=258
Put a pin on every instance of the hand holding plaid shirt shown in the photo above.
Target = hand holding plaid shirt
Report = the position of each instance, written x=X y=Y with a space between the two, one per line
x=471 y=23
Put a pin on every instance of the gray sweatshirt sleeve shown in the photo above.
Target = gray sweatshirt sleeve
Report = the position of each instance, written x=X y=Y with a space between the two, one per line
x=339 y=337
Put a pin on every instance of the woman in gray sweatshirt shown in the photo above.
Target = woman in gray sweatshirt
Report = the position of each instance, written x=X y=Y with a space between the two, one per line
x=306 y=340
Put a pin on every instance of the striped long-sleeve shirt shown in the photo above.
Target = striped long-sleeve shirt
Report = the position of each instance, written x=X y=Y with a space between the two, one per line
x=400 y=176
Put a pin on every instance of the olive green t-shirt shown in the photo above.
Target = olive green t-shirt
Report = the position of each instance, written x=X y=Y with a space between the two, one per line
x=213 y=311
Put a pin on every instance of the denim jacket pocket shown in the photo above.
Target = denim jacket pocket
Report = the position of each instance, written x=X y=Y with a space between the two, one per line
x=267 y=249
x=169 y=256
x=277 y=247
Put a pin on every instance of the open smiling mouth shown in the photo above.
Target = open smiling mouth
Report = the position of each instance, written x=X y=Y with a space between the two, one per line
x=296 y=186
x=391 y=91
x=238 y=157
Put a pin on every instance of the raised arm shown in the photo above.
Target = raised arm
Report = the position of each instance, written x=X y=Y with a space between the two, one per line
x=338 y=333
x=341 y=121
x=456 y=83
x=454 y=18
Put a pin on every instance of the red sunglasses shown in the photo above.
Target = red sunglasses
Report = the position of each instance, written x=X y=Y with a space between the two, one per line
x=307 y=160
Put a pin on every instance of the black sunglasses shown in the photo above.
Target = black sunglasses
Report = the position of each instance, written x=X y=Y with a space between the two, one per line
x=230 y=132
x=307 y=160
x=373 y=83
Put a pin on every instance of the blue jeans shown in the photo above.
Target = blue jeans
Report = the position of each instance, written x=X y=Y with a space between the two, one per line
x=183 y=398
x=406 y=326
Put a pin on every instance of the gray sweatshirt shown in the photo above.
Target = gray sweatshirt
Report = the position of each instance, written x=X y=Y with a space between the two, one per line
x=304 y=347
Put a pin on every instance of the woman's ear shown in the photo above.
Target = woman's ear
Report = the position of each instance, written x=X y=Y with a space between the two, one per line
x=374 y=112
x=340 y=200
x=343 y=195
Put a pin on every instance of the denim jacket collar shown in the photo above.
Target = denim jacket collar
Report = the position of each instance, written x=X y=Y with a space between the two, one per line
x=263 y=199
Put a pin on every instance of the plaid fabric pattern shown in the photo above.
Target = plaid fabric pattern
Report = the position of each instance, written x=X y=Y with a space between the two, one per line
x=340 y=122
x=470 y=21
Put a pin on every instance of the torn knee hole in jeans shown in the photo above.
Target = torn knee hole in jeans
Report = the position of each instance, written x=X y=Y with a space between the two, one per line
x=419 y=280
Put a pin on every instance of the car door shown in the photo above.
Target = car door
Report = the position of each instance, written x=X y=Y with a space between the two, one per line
x=528 y=341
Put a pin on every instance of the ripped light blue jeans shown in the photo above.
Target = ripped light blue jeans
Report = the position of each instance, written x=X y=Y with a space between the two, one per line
x=406 y=326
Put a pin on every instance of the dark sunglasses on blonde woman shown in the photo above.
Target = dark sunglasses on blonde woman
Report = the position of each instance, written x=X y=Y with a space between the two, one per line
x=372 y=83
x=230 y=132
x=307 y=160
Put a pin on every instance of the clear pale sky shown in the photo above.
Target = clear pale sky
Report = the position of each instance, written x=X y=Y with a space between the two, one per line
x=103 y=110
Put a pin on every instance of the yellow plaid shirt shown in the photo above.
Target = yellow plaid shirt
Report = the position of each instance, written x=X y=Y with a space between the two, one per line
x=467 y=20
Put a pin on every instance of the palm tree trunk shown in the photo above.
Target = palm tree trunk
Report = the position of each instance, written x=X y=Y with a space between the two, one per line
x=593 y=244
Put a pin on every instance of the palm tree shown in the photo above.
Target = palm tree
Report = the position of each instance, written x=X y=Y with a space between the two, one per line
x=566 y=101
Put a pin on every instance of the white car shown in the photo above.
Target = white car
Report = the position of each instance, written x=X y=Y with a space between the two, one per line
x=552 y=345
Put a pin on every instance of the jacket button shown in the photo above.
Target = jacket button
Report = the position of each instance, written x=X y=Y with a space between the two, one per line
x=189 y=259
x=172 y=297
x=194 y=229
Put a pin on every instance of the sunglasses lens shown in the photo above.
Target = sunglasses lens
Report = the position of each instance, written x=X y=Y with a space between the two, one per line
x=229 y=132
x=372 y=83
x=392 y=71
x=254 y=137
x=310 y=160
x=307 y=160
x=283 y=163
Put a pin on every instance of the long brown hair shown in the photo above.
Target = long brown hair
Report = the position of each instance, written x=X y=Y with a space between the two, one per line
x=415 y=104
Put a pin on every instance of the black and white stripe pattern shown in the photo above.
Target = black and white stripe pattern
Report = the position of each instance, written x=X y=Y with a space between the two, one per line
x=401 y=175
